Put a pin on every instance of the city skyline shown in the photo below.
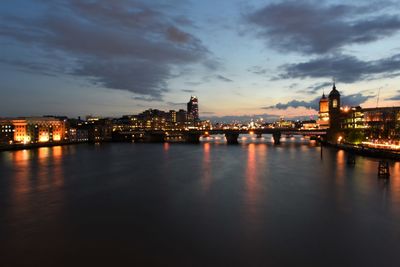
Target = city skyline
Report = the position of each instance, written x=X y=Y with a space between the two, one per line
x=76 y=58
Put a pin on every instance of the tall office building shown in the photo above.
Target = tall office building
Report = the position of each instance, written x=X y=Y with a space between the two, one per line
x=193 y=109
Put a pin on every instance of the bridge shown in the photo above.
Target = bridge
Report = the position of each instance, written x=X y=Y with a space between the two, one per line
x=193 y=135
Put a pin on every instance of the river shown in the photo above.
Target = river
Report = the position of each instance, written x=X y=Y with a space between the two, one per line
x=210 y=204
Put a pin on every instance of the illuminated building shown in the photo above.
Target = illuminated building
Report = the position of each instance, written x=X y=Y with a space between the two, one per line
x=20 y=131
x=34 y=130
x=323 y=114
x=382 y=123
x=352 y=118
x=309 y=125
x=46 y=129
x=6 y=132
x=172 y=116
x=193 y=109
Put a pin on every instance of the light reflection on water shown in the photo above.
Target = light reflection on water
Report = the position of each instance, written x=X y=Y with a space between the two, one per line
x=254 y=203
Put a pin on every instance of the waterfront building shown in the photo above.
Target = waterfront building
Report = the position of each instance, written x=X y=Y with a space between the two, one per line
x=20 y=131
x=34 y=129
x=352 y=118
x=45 y=129
x=382 y=122
x=98 y=130
x=6 y=132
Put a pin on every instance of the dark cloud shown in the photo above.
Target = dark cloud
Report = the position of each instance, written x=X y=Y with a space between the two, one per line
x=176 y=35
x=315 y=88
x=222 y=78
x=176 y=104
x=296 y=103
x=355 y=99
x=193 y=83
x=126 y=45
x=188 y=91
x=257 y=70
x=349 y=100
x=344 y=68
x=314 y=27
x=395 y=98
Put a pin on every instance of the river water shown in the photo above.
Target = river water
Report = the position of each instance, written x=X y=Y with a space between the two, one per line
x=211 y=204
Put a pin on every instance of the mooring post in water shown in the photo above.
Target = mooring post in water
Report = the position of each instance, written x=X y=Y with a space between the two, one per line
x=320 y=145
x=383 y=169
x=351 y=159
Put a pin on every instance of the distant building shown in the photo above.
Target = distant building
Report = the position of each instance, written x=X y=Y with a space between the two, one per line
x=193 y=109
x=309 y=125
x=323 y=114
x=172 y=116
x=181 y=117
x=6 y=132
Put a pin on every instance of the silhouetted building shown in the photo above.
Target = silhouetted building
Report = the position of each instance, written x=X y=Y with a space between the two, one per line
x=334 y=115
x=181 y=117
x=193 y=109
x=6 y=132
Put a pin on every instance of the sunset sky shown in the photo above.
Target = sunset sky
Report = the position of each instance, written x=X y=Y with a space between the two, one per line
x=264 y=58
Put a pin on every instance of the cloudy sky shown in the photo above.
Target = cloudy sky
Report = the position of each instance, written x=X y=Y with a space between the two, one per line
x=241 y=58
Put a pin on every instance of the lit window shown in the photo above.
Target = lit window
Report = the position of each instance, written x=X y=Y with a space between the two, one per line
x=334 y=103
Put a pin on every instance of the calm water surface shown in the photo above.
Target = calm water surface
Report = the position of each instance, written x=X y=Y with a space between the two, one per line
x=253 y=204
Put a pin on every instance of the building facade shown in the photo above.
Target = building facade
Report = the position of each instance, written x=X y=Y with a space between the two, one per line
x=36 y=129
x=323 y=114
x=6 y=132
x=193 y=109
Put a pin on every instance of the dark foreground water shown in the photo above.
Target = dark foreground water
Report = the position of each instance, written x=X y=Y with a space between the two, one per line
x=254 y=204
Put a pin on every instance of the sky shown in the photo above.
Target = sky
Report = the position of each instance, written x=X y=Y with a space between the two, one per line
x=242 y=59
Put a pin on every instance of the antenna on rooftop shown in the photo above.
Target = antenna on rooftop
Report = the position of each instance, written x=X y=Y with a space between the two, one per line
x=377 y=100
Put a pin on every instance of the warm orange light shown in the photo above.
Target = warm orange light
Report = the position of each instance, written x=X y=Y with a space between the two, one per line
x=56 y=137
x=251 y=132
x=385 y=145
x=44 y=138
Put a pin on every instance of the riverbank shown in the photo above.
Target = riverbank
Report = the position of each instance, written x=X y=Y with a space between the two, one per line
x=369 y=152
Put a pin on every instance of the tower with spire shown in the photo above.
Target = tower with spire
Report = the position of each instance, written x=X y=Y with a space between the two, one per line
x=334 y=114
x=323 y=114
x=334 y=108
